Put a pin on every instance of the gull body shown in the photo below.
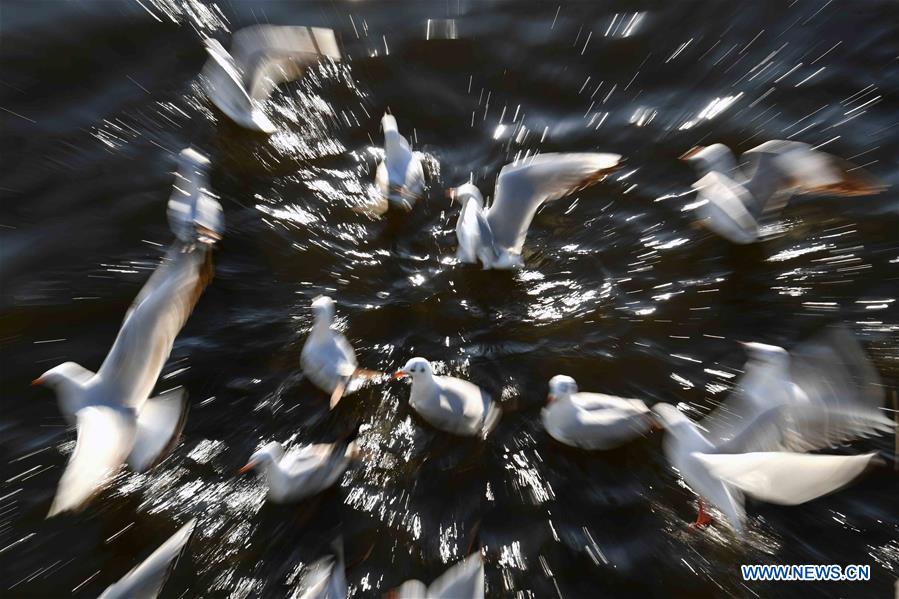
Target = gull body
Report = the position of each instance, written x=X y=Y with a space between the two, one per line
x=399 y=177
x=464 y=579
x=116 y=419
x=146 y=580
x=592 y=420
x=736 y=199
x=239 y=82
x=495 y=236
x=787 y=403
x=450 y=404
x=302 y=472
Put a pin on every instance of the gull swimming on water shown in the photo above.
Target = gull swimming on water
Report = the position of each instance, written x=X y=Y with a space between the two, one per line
x=145 y=581
x=735 y=199
x=787 y=403
x=592 y=420
x=495 y=236
x=399 y=177
x=300 y=473
x=465 y=579
x=115 y=416
x=261 y=58
x=449 y=404
x=328 y=359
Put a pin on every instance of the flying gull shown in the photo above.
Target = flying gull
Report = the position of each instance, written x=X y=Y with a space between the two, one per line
x=735 y=199
x=116 y=419
x=495 y=236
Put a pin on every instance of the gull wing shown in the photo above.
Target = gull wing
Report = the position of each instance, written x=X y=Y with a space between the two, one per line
x=523 y=187
x=810 y=171
x=465 y=579
x=783 y=477
x=159 y=424
x=154 y=320
x=105 y=436
x=146 y=580
x=269 y=55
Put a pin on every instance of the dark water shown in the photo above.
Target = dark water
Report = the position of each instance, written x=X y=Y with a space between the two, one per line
x=619 y=290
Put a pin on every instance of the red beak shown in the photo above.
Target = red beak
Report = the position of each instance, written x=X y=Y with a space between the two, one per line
x=37 y=382
x=400 y=374
x=691 y=152
x=246 y=468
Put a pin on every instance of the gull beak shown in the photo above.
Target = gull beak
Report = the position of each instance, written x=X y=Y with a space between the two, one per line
x=550 y=398
x=655 y=424
x=37 y=382
x=451 y=194
x=691 y=152
x=247 y=468
x=400 y=374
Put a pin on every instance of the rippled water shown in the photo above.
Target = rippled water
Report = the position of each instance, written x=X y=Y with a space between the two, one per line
x=619 y=290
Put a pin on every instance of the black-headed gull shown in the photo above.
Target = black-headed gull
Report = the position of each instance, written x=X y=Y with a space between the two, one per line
x=399 y=177
x=735 y=199
x=495 y=236
x=786 y=404
x=465 y=579
x=328 y=359
x=592 y=420
x=301 y=472
x=116 y=418
x=261 y=58
x=447 y=403
x=145 y=581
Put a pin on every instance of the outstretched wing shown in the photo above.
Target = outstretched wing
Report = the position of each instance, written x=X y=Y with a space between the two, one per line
x=159 y=424
x=809 y=171
x=783 y=477
x=105 y=436
x=521 y=188
x=465 y=579
x=269 y=55
x=154 y=320
x=146 y=580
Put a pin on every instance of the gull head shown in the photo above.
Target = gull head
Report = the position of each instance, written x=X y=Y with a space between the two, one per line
x=771 y=354
x=323 y=308
x=415 y=367
x=270 y=453
x=716 y=157
x=561 y=386
x=388 y=123
x=67 y=375
x=466 y=192
x=668 y=416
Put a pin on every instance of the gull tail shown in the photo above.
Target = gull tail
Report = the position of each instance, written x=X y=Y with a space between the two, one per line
x=159 y=424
